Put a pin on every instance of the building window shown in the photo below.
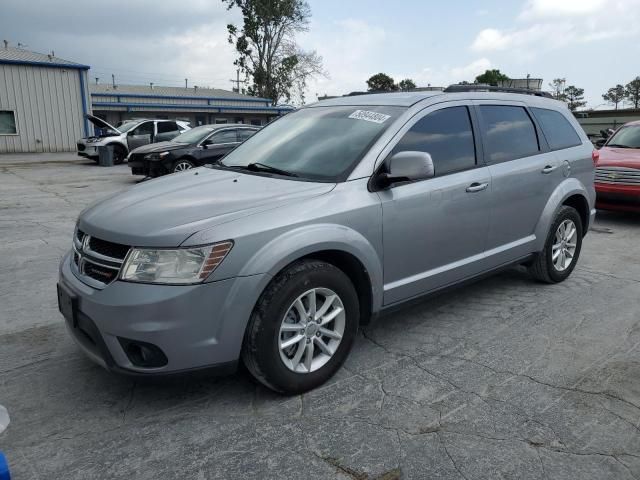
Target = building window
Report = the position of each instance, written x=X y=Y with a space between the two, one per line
x=238 y=120
x=8 y=122
x=256 y=121
x=221 y=121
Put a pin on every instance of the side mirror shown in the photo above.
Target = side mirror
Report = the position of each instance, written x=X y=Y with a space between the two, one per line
x=407 y=167
x=206 y=143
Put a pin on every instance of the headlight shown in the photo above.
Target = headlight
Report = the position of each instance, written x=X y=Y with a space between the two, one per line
x=157 y=156
x=174 y=266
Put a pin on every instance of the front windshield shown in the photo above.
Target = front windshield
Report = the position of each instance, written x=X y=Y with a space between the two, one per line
x=626 y=137
x=318 y=143
x=126 y=126
x=195 y=135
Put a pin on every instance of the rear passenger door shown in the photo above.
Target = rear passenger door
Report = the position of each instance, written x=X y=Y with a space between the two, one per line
x=524 y=173
x=435 y=230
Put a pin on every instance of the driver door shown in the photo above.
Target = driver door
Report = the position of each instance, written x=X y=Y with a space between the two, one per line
x=141 y=135
x=435 y=230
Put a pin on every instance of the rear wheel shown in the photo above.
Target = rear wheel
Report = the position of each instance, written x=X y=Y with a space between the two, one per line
x=302 y=328
x=562 y=248
x=182 y=165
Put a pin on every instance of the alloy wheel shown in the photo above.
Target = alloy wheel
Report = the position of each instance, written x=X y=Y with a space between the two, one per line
x=564 y=246
x=182 y=166
x=311 y=330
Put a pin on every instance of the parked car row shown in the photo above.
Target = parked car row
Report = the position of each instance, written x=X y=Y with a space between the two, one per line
x=128 y=136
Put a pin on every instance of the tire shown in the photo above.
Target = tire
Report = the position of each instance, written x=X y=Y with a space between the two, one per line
x=262 y=353
x=181 y=165
x=544 y=267
x=119 y=154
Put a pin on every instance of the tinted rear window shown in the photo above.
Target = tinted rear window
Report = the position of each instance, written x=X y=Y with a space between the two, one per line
x=556 y=128
x=509 y=133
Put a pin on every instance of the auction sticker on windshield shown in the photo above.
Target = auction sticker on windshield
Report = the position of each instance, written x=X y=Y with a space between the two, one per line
x=370 y=116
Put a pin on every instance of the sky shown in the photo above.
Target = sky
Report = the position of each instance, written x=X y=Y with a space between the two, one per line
x=594 y=44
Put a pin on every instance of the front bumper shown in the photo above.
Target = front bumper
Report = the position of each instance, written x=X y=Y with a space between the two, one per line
x=195 y=326
x=149 y=168
x=618 y=197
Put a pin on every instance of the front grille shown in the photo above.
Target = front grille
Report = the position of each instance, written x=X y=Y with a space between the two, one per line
x=81 y=147
x=618 y=175
x=97 y=259
x=108 y=249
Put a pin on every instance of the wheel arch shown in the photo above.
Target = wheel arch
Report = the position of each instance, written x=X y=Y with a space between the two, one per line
x=340 y=246
x=571 y=192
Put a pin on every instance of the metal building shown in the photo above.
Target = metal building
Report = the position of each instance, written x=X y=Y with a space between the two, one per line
x=198 y=106
x=43 y=102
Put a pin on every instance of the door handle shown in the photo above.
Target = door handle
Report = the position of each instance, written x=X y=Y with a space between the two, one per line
x=549 y=168
x=477 y=187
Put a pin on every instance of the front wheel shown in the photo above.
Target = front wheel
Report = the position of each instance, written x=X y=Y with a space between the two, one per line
x=182 y=165
x=302 y=328
x=562 y=248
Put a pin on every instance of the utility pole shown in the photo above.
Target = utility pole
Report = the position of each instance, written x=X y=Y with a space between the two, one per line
x=237 y=81
x=113 y=80
x=186 y=83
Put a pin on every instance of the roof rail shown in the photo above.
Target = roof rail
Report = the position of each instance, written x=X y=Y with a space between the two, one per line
x=490 y=88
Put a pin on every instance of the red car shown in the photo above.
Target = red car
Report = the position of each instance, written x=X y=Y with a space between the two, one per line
x=617 y=178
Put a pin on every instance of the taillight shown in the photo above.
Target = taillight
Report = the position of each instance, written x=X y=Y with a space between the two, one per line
x=595 y=156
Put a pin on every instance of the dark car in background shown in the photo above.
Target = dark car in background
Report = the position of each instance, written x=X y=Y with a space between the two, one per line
x=197 y=147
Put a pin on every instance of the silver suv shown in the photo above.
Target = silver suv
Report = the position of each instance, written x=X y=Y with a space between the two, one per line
x=318 y=223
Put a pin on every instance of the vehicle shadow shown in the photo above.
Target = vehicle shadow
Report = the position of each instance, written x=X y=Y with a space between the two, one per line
x=609 y=218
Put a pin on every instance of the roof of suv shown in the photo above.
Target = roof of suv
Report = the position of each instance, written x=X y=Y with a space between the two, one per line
x=408 y=99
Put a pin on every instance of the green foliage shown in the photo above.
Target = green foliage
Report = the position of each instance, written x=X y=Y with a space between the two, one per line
x=267 y=53
x=492 y=77
x=406 y=85
x=615 y=95
x=632 y=92
x=574 y=97
x=381 y=82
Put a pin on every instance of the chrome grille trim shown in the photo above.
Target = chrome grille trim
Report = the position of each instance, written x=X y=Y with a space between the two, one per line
x=617 y=175
x=87 y=256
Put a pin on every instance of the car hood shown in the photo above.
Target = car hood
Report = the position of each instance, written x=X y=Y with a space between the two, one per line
x=159 y=147
x=98 y=122
x=166 y=211
x=619 y=157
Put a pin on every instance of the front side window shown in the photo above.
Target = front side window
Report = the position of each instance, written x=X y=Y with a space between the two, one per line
x=245 y=133
x=166 y=127
x=556 y=128
x=228 y=136
x=447 y=136
x=626 y=137
x=195 y=135
x=316 y=143
x=8 y=122
x=509 y=133
x=145 y=128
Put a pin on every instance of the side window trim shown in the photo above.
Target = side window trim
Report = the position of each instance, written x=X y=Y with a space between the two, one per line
x=401 y=132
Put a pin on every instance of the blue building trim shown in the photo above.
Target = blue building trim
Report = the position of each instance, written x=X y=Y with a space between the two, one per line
x=83 y=94
x=171 y=106
x=74 y=66
x=170 y=97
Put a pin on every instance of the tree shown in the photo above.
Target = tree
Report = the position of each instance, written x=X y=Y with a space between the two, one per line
x=615 y=95
x=406 y=85
x=574 y=97
x=632 y=92
x=557 y=88
x=492 y=77
x=268 y=55
x=381 y=82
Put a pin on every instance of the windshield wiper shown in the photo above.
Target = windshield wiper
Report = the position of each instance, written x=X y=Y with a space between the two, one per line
x=263 y=167
x=617 y=145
